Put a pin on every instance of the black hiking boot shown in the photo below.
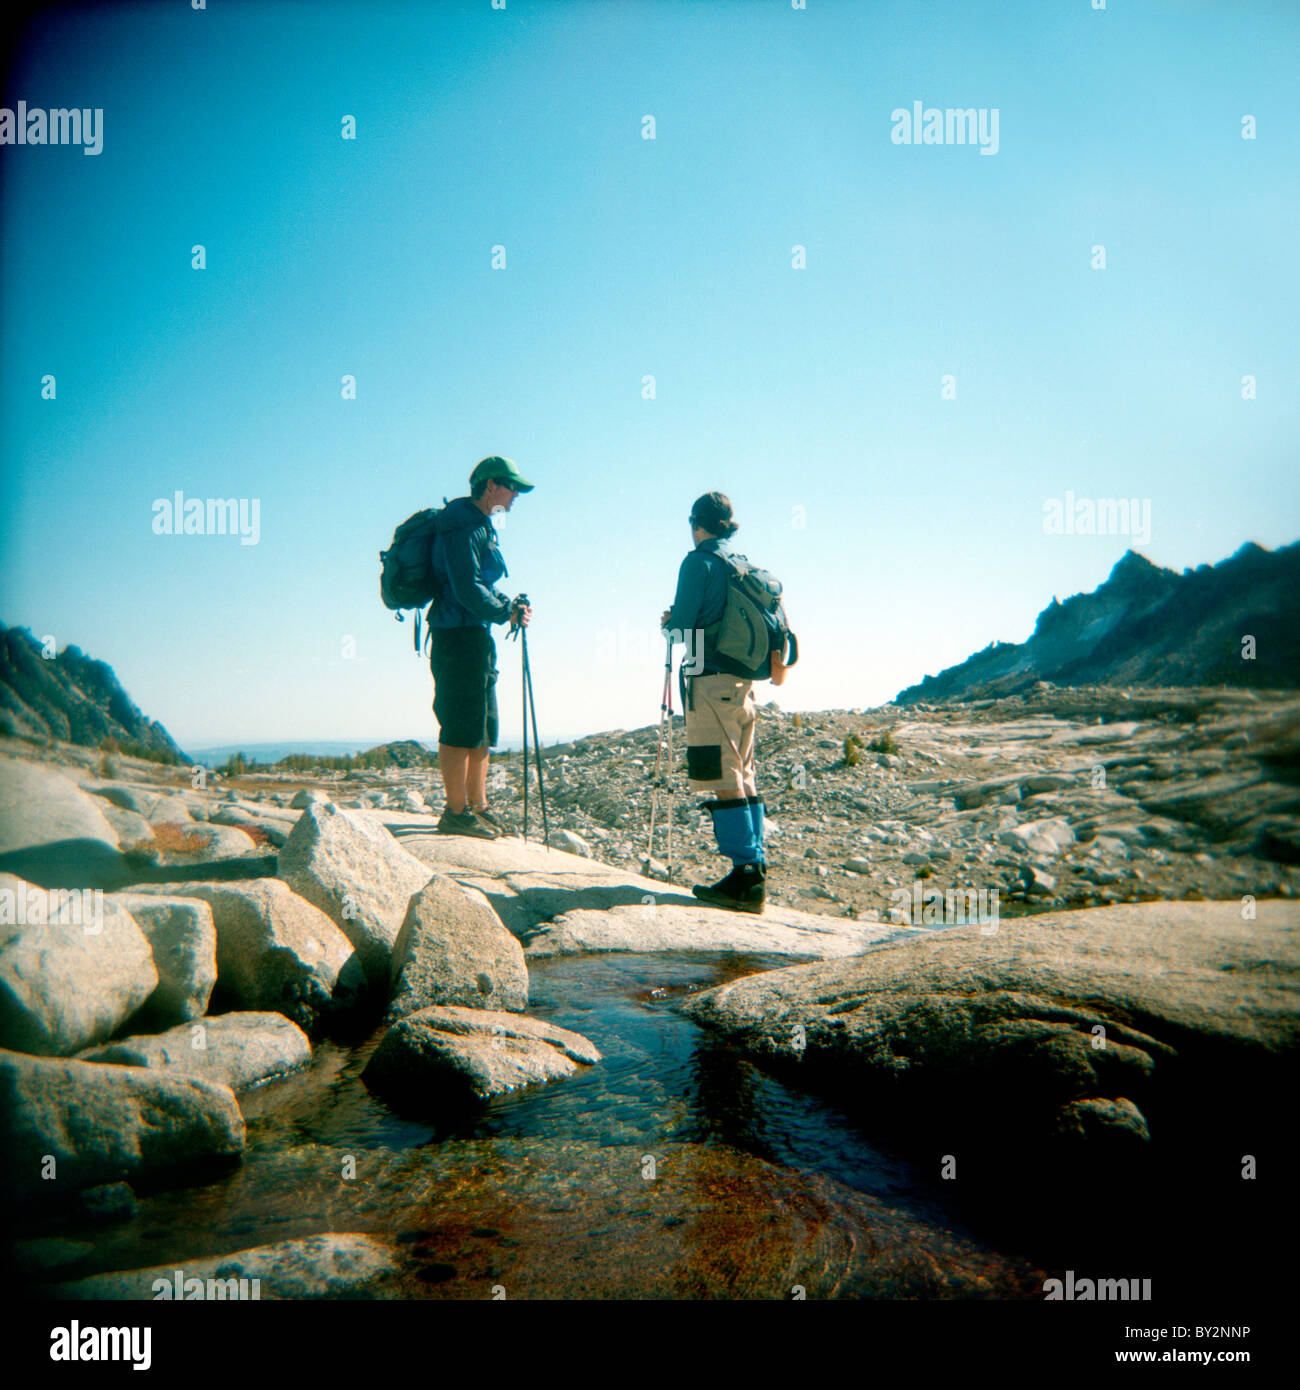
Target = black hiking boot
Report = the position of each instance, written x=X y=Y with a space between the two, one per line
x=741 y=890
x=463 y=823
x=492 y=819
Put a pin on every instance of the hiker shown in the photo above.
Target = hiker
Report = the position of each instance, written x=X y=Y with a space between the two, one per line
x=720 y=710
x=467 y=564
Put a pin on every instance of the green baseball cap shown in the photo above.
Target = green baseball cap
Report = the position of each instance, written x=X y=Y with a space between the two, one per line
x=499 y=469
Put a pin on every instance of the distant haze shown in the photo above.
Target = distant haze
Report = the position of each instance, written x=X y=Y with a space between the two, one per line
x=325 y=748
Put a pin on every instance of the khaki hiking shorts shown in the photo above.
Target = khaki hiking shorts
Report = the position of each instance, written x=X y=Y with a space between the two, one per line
x=721 y=714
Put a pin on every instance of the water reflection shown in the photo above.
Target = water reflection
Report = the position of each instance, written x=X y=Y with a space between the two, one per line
x=675 y=1168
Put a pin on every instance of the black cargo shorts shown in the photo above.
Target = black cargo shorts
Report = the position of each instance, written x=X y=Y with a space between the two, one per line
x=464 y=665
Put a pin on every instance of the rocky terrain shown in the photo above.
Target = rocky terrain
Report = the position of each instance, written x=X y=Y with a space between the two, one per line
x=1061 y=797
x=177 y=946
x=1236 y=623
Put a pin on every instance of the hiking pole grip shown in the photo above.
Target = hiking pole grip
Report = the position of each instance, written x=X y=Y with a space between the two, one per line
x=517 y=606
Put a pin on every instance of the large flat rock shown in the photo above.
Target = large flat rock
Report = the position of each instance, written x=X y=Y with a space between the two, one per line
x=69 y=1125
x=54 y=834
x=1072 y=1022
x=559 y=903
x=463 y=854
x=237 y=1050
x=668 y=924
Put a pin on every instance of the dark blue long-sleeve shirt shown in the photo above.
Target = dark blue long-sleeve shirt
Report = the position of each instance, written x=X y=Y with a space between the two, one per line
x=701 y=588
x=468 y=564
x=699 y=603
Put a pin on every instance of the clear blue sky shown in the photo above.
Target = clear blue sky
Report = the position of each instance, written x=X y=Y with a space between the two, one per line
x=815 y=389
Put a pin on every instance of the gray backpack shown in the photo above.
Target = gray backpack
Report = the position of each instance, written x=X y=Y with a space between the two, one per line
x=752 y=633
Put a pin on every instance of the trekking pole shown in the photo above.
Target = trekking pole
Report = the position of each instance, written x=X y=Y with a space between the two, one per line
x=523 y=687
x=659 y=763
x=518 y=631
x=516 y=627
x=668 y=775
x=537 y=743
x=665 y=711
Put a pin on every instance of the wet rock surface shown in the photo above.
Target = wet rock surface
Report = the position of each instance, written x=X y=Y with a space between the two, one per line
x=70 y=1125
x=674 y=1168
x=1064 y=1024
x=541 y=1219
x=324 y=1266
x=237 y=1050
x=440 y=1056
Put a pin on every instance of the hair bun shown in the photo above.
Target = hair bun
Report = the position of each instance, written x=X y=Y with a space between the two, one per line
x=713 y=513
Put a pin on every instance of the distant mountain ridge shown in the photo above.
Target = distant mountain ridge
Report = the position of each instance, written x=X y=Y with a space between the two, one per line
x=73 y=698
x=268 y=753
x=1148 y=626
x=284 y=748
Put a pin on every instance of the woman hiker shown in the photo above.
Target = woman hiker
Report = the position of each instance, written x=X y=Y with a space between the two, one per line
x=462 y=655
x=720 y=711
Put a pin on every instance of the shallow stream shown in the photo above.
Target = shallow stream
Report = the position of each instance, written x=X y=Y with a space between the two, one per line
x=675 y=1168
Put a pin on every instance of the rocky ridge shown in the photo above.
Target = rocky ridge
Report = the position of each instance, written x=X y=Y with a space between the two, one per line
x=73 y=698
x=1235 y=623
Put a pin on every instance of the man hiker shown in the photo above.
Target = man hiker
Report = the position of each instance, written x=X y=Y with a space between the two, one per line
x=720 y=710
x=462 y=655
